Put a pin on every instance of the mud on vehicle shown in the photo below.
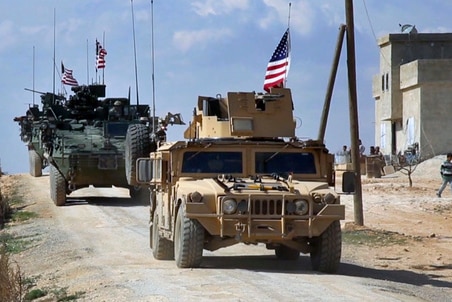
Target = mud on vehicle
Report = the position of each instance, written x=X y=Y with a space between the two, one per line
x=241 y=176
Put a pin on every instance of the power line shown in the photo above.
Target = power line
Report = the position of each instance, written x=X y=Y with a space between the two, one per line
x=373 y=33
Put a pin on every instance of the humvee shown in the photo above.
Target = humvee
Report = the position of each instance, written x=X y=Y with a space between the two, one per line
x=241 y=176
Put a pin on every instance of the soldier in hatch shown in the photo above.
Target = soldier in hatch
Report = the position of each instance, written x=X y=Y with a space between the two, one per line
x=115 y=113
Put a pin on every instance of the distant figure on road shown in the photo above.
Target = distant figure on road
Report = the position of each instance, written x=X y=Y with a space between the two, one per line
x=446 y=174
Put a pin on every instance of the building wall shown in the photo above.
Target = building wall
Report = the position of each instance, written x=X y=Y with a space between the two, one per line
x=413 y=93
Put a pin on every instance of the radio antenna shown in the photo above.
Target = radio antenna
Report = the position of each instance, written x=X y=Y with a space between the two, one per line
x=152 y=55
x=135 y=52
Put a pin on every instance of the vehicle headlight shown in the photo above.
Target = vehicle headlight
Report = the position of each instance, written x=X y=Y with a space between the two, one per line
x=301 y=207
x=229 y=205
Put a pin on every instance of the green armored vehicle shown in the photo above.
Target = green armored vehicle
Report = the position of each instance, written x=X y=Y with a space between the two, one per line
x=82 y=139
x=241 y=176
x=89 y=148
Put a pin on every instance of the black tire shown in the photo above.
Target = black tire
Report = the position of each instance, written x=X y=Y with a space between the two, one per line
x=35 y=162
x=188 y=241
x=283 y=252
x=137 y=144
x=326 y=249
x=162 y=248
x=57 y=187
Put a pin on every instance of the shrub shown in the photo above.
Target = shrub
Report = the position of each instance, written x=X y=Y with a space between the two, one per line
x=11 y=285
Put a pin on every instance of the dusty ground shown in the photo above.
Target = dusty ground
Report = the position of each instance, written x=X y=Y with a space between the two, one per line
x=97 y=248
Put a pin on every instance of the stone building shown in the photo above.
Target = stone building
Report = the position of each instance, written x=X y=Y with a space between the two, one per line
x=413 y=93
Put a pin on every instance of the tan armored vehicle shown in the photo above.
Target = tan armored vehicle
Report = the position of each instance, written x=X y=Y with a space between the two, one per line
x=242 y=177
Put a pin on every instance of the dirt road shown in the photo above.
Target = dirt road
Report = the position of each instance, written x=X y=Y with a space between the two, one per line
x=97 y=248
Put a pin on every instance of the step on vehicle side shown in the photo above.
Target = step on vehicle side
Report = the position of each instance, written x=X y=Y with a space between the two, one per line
x=241 y=176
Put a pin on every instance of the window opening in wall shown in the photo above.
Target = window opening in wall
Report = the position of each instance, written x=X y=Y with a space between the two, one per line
x=383 y=83
x=387 y=81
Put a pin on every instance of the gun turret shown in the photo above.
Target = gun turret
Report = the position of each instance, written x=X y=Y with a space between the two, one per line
x=244 y=114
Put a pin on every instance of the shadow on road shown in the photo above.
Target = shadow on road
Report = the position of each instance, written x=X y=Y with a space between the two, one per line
x=269 y=263
x=106 y=201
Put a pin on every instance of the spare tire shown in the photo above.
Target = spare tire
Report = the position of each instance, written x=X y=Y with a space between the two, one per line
x=137 y=144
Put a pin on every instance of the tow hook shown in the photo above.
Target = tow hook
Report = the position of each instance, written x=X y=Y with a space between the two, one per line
x=240 y=228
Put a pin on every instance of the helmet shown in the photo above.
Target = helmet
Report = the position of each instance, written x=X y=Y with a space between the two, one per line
x=117 y=103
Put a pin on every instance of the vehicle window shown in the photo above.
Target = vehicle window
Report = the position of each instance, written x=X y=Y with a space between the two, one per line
x=116 y=129
x=285 y=162
x=212 y=162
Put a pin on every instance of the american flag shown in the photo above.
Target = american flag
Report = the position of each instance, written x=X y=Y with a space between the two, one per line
x=278 y=67
x=100 y=55
x=67 y=77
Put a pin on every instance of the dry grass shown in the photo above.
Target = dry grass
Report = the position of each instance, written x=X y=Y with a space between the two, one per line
x=11 y=279
x=4 y=210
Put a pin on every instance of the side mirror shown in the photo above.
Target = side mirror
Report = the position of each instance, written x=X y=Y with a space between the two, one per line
x=348 y=182
x=144 y=170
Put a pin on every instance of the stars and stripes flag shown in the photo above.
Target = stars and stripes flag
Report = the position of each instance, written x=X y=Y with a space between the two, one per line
x=100 y=55
x=278 y=67
x=67 y=77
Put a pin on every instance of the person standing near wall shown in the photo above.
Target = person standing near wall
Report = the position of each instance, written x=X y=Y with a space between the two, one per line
x=446 y=174
x=361 y=148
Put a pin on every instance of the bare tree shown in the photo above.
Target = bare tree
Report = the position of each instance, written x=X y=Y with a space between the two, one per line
x=407 y=164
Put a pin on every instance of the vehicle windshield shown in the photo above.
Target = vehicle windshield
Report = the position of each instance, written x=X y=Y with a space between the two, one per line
x=285 y=162
x=116 y=129
x=212 y=162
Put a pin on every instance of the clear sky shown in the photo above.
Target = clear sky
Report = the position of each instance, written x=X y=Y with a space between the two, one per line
x=201 y=47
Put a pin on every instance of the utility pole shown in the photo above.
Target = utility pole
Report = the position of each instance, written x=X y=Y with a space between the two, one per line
x=353 y=108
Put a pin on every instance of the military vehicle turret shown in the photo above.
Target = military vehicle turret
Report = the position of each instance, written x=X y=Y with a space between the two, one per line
x=241 y=176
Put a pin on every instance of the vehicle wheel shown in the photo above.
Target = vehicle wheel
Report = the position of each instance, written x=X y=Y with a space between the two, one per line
x=137 y=145
x=188 y=241
x=35 y=163
x=57 y=187
x=326 y=249
x=162 y=248
x=286 y=253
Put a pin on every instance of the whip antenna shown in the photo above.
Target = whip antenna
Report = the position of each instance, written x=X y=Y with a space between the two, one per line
x=135 y=52
x=152 y=54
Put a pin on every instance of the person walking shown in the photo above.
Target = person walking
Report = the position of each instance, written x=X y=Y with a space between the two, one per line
x=446 y=174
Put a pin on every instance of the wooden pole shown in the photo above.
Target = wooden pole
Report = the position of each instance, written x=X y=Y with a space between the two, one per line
x=353 y=107
x=329 y=91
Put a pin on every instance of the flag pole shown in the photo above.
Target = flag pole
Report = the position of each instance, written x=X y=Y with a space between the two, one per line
x=103 y=69
x=288 y=19
x=97 y=53
x=288 y=44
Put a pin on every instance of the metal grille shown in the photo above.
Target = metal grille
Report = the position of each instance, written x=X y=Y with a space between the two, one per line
x=267 y=207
